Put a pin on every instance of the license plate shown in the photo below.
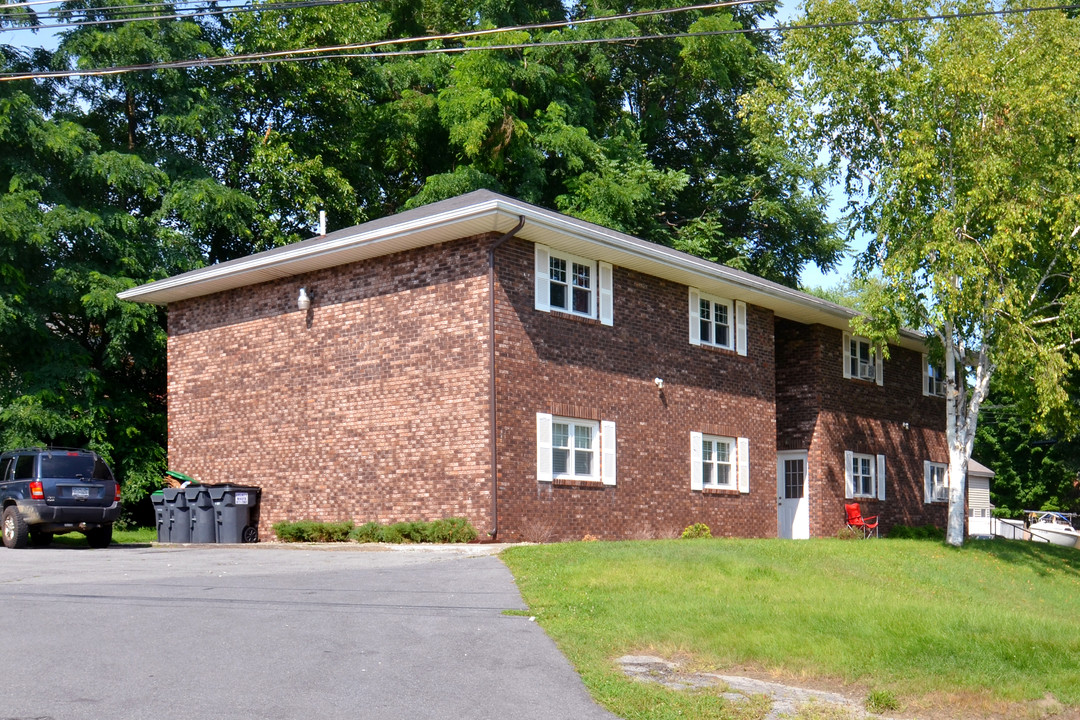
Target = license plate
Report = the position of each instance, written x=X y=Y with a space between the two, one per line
x=80 y=492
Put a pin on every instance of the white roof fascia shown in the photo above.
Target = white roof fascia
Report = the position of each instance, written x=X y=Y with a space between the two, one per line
x=497 y=213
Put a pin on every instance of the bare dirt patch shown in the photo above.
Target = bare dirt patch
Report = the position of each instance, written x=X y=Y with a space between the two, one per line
x=813 y=698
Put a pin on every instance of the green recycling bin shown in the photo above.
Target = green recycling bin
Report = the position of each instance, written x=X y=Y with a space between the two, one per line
x=236 y=510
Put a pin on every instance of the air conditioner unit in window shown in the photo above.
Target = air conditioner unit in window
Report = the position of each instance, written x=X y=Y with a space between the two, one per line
x=867 y=371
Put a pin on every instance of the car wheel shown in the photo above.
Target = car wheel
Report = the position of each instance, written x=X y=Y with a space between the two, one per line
x=16 y=533
x=100 y=537
x=39 y=538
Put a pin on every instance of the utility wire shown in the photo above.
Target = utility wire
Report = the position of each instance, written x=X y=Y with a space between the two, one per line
x=321 y=52
x=180 y=15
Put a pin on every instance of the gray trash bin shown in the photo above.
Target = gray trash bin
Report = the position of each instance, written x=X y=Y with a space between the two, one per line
x=203 y=523
x=178 y=518
x=237 y=510
x=161 y=516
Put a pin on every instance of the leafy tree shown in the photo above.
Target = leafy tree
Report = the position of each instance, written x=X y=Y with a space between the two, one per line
x=1034 y=469
x=77 y=367
x=961 y=136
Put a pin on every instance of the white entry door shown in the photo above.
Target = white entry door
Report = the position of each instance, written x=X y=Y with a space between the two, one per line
x=792 y=510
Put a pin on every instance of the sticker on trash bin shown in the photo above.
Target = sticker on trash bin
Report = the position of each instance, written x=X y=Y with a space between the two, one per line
x=241 y=498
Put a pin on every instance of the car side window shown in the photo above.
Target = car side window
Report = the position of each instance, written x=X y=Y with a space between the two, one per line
x=5 y=469
x=24 y=467
x=101 y=470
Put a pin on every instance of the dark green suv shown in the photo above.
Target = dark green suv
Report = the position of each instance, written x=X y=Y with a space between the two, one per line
x=51 y=491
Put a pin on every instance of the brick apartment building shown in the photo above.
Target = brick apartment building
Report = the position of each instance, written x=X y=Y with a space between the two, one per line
x=544 y=377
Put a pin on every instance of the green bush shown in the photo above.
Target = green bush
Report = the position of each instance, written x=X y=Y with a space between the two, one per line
x=919 y=532
x=697 y=530
x=367 y=533
x=313 y=531
x=440 y=531
x=451 y=530
x=391 y=534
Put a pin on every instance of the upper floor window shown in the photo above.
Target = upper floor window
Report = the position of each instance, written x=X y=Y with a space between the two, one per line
x=717 y=322
x=861 y=359
x=936 y=479
x=933 y=378
x=572 y=284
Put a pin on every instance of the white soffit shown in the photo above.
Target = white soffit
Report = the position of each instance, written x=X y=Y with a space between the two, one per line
x=486 y=212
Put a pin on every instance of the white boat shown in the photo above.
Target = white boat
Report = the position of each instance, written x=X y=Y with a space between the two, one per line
x=1053 y=527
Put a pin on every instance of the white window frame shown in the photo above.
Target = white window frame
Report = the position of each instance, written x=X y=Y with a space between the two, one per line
x=715 y=303
x=933 y=378
x=872 y=371
x=601 y=439
x=710 y=451
x=738 y=462
x=929 y=488
x=736 y=313
x=601 y=279
x=855 y=490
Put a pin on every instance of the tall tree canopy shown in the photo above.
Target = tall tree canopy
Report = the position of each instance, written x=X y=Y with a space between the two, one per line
x=116 y=180
x=958 y=138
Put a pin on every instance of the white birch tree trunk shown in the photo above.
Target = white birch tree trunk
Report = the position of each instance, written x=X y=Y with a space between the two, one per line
x=962 y=416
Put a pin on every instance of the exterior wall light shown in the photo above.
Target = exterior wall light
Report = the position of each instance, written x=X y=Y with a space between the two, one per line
x=303 y=301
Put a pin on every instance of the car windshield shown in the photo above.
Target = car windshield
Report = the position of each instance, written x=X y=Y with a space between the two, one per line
x=62 y=466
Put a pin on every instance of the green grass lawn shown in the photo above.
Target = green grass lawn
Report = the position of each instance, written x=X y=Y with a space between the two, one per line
x=990 y=625
x=134 y=536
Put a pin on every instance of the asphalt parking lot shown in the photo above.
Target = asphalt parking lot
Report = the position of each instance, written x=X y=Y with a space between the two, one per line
x=274 y=632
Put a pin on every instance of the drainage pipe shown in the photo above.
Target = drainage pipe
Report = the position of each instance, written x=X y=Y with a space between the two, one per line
x=491 y=381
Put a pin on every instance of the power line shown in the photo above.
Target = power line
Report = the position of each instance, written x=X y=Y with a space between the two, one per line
x=321 y=53
x=178 y=15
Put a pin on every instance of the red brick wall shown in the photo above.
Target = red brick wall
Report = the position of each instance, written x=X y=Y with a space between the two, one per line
x=846 y=414
x=373 y=406
x=548 y=361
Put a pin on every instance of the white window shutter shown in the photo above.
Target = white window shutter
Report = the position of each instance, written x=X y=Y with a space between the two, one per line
x=607 y=449
x=879 y=365
x=744 y=464
x=695 y=317
x=740 y=327
x=849 y=488
x=543 y=447
x=695 y=461
x=607 y=308
x=847 y=361
x=880 y=477
x=543 y=278
x=928 y=489
x=925 y=375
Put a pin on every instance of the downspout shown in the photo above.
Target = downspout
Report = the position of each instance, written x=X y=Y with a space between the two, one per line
x=491 y=381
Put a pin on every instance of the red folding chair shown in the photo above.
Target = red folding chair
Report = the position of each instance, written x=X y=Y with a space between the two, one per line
x=855 y=521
